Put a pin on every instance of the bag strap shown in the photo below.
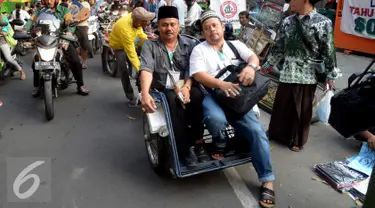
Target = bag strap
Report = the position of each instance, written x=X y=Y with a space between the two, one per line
x=302 y=35
x=362 y=75
x=225 y=69
x=235 y=51
x=174 y=82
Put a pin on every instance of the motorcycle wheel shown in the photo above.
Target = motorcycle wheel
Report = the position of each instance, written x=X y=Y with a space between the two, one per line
x=91 y=50
x=109 y=62
x=23 y=52
x=156 y=149
x=93 y=46
x=100 y=43
x=48 y=100
x=96 y=44
x=2 y=76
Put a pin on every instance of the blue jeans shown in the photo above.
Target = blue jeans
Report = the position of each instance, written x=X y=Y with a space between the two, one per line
x=247 y=127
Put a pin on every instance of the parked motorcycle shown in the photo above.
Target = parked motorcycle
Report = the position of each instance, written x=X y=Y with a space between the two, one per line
x=108 y=56
x=25 y=42
x=94 y=37
x=7 y=70
x=49 y=59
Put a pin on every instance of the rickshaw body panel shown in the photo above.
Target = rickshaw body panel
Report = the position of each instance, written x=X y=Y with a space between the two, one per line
x=161 y=118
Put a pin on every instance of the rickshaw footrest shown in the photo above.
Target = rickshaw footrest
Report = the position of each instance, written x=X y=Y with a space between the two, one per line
x=215 y=165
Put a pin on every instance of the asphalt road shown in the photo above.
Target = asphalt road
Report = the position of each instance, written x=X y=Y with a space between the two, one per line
x=98 y=156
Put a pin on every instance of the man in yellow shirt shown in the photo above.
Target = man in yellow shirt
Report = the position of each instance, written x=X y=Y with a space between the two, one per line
x=121 y=40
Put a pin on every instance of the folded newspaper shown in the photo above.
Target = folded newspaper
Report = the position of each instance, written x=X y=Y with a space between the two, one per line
x=339 y=175
x=359 y=190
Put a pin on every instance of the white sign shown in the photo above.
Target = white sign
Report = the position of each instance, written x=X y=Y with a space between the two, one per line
x=358 y=18
x=229 y=10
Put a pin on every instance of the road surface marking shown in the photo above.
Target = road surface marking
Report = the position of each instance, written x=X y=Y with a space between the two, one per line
x=240 y=189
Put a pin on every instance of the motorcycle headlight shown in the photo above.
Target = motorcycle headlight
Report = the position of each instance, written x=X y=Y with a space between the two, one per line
x=46 y=54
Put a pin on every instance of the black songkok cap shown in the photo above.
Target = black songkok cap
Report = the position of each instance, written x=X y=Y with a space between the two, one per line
x=168 y=12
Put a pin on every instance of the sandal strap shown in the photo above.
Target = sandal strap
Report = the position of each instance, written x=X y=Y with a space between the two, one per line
x=267 y=197
x=84 y=90
x=268 y=192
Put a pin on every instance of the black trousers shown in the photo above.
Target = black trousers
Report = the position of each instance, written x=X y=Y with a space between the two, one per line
x=187 y=124
x=121 y=61
x=72 y=58
x=83 y=37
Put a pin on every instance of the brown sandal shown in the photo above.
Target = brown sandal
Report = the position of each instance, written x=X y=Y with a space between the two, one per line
x=296 y=148
x=218 y=154
x=82 y=91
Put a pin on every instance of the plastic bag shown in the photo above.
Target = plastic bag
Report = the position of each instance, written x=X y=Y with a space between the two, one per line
x=324 y=107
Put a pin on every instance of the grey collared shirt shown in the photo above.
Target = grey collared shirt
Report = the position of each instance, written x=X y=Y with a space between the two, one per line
x=155 y=59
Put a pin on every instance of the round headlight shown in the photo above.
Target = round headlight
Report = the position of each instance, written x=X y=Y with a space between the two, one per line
x=163 y=131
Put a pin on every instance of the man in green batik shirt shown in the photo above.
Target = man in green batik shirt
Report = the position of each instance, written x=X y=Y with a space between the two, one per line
x=304 y=38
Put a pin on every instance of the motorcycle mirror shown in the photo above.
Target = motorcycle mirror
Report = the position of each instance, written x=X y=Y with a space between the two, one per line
x=3 y=24
x=17 y=22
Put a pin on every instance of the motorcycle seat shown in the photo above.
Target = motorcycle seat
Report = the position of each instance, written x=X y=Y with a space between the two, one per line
x=21 y=36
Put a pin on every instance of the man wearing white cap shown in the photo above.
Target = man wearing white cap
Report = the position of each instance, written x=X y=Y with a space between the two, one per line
x=206 y=61
x=121 y=39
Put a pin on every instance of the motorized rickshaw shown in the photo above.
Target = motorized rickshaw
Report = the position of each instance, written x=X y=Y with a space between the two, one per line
x=161 y=144
x=162 y=151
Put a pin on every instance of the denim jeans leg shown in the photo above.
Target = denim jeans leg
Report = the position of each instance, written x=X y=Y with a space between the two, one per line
x=249 y=128
x=215 y=121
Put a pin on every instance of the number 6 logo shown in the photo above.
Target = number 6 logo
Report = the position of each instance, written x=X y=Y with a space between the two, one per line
x=23 y=177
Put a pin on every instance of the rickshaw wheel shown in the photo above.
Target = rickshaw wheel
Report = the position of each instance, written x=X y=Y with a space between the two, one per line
x=156 y=149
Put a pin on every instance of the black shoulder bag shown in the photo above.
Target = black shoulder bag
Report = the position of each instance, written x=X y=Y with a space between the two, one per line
x=353 y=108
x=249 y=95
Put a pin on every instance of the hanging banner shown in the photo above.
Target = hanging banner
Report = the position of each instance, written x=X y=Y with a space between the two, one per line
x=228 y=10
x=358 y=18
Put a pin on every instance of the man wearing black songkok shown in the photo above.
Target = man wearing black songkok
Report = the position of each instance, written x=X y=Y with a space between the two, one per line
x=165 y=64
